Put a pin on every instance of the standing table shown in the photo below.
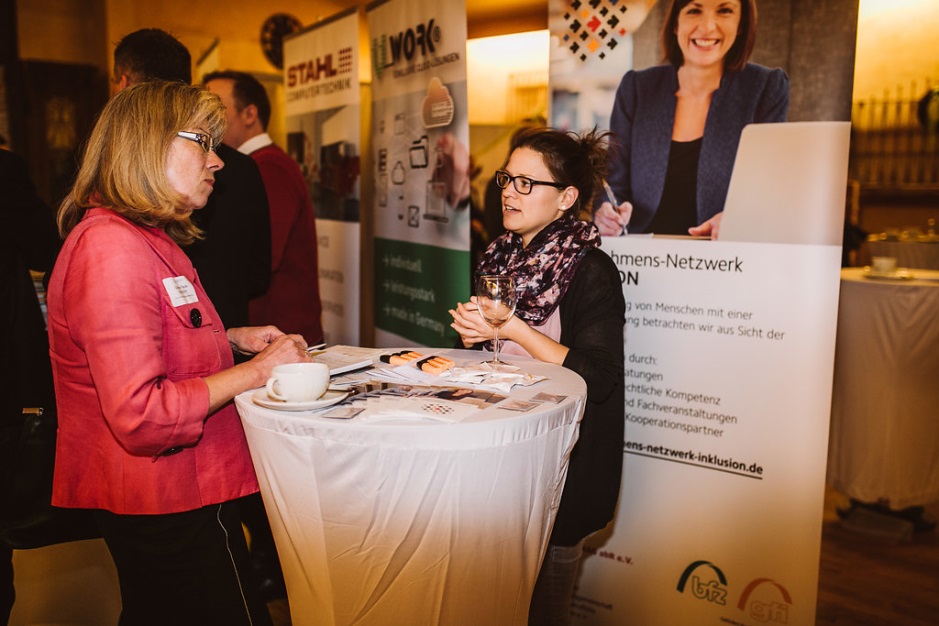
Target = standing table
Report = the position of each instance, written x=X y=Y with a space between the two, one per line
x=884 y=443
x=415 y=521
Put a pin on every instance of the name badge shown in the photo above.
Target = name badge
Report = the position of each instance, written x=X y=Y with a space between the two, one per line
x=180 y=290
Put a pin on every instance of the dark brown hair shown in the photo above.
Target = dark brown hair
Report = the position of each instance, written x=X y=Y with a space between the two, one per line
x=739 y=53
x=578 y=160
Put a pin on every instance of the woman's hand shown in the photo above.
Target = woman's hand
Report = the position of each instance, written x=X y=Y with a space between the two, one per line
x=253 y=339
x=469 y=323
x=228 y=383
x=710 y=228
x=283 y=349
x=612 y=222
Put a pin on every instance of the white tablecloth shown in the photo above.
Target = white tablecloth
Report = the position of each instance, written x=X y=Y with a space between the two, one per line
x=915 y=254
x=884 y=443
x=415 y=523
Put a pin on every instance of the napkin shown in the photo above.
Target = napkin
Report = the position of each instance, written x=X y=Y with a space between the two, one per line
x=500 y=378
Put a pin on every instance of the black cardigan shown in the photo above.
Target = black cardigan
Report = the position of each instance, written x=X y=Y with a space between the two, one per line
x=592 y=320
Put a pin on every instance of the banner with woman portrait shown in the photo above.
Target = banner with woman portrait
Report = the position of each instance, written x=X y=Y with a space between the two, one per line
x=729 y=349
x=420 y=136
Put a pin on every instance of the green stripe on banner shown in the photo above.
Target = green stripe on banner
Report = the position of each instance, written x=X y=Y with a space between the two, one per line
x=415 y=286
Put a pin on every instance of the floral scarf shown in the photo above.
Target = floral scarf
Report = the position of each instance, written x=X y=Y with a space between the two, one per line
x=542 y=271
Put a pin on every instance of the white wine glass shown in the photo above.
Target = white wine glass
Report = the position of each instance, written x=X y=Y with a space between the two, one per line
x=495 y=299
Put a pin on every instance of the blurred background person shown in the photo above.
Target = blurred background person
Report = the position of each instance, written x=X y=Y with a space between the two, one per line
x=292 y=302
x=149 y=439
x=676 y=126
x=233 y=257
x=28 y=241
x=570 y=312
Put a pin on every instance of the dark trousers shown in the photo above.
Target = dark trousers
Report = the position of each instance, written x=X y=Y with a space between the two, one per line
x=183 y=568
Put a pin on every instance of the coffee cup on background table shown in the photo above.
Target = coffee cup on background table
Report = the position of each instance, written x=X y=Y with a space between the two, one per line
x=884 y=264
x=298 y=382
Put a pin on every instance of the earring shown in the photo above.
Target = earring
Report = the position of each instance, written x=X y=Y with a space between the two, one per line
x=563 y=207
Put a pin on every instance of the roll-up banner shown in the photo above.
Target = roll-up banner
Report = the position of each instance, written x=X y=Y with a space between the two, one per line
x=323 y=109
x=729 y=360
x=420 y=136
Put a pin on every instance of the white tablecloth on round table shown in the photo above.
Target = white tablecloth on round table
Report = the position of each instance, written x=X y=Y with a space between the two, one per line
x=884 y=443
x=913 y=254
x=415 y=523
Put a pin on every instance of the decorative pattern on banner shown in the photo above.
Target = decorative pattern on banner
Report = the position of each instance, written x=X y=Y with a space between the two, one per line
x=591 y=49
x=594 y=27
x=421 y=141
x=321 y=81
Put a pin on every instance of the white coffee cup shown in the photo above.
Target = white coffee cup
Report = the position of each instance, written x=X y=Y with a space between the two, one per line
x=298 y=382
x=884 y=264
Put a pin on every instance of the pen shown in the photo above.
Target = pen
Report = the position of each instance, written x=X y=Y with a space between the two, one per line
x=318 y=346
x=612 y=198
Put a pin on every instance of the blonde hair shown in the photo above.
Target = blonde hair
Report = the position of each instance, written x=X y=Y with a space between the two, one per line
x=124 y=163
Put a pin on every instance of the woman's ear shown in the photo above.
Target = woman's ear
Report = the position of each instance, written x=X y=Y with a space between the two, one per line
x=568 y=198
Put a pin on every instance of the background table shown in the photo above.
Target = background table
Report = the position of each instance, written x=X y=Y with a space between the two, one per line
x=884 y=443
x=916 y=254
x=415 y=523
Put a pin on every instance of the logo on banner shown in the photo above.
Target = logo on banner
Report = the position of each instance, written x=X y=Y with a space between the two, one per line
x=766 y=608
x=763 y=599
x=406 y=46
x=594 y=27
x=320 y=68
x=703 y=586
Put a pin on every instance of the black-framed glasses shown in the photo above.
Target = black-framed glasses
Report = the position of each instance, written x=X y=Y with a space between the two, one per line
x=523 y=184
x=208 y=144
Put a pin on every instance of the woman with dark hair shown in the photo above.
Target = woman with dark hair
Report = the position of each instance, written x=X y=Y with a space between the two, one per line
x=570 y=312
x=148 y=438
x=676 y=126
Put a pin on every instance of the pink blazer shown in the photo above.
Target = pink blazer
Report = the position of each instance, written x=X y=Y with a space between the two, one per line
x=134 y=434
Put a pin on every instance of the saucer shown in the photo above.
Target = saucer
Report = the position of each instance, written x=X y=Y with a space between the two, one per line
x=329 y=398
x=901 y=273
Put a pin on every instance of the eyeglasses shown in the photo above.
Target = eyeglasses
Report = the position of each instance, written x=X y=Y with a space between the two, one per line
x=208 y=144
x=523 y=184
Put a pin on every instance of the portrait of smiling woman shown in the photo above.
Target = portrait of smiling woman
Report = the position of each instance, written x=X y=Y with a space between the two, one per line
x=676 y=126
x=148 y=438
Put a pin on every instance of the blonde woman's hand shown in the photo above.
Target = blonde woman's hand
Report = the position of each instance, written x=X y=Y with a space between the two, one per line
x=253 y=339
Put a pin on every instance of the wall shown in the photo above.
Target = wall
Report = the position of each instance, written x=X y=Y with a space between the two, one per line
x=85 y=31
x=896 y=44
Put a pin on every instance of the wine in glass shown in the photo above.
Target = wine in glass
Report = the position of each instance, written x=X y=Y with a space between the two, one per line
x=495 y=297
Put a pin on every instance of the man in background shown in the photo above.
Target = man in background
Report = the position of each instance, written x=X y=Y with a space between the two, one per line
x=29 y=241
x=292 y=303
x=233 y=259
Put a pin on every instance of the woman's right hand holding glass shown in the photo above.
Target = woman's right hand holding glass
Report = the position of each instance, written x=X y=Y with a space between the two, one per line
x=612 y=222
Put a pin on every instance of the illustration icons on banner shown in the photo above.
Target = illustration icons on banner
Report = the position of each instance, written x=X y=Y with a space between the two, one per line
x=437 y=107
x=436 y=111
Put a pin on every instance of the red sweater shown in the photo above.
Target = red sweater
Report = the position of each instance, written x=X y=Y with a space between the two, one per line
x=292 y=302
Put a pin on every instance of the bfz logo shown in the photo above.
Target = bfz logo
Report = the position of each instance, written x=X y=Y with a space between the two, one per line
x=710 y=590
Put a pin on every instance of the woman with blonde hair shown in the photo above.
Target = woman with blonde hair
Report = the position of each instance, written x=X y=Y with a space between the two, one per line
x=148 y=436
